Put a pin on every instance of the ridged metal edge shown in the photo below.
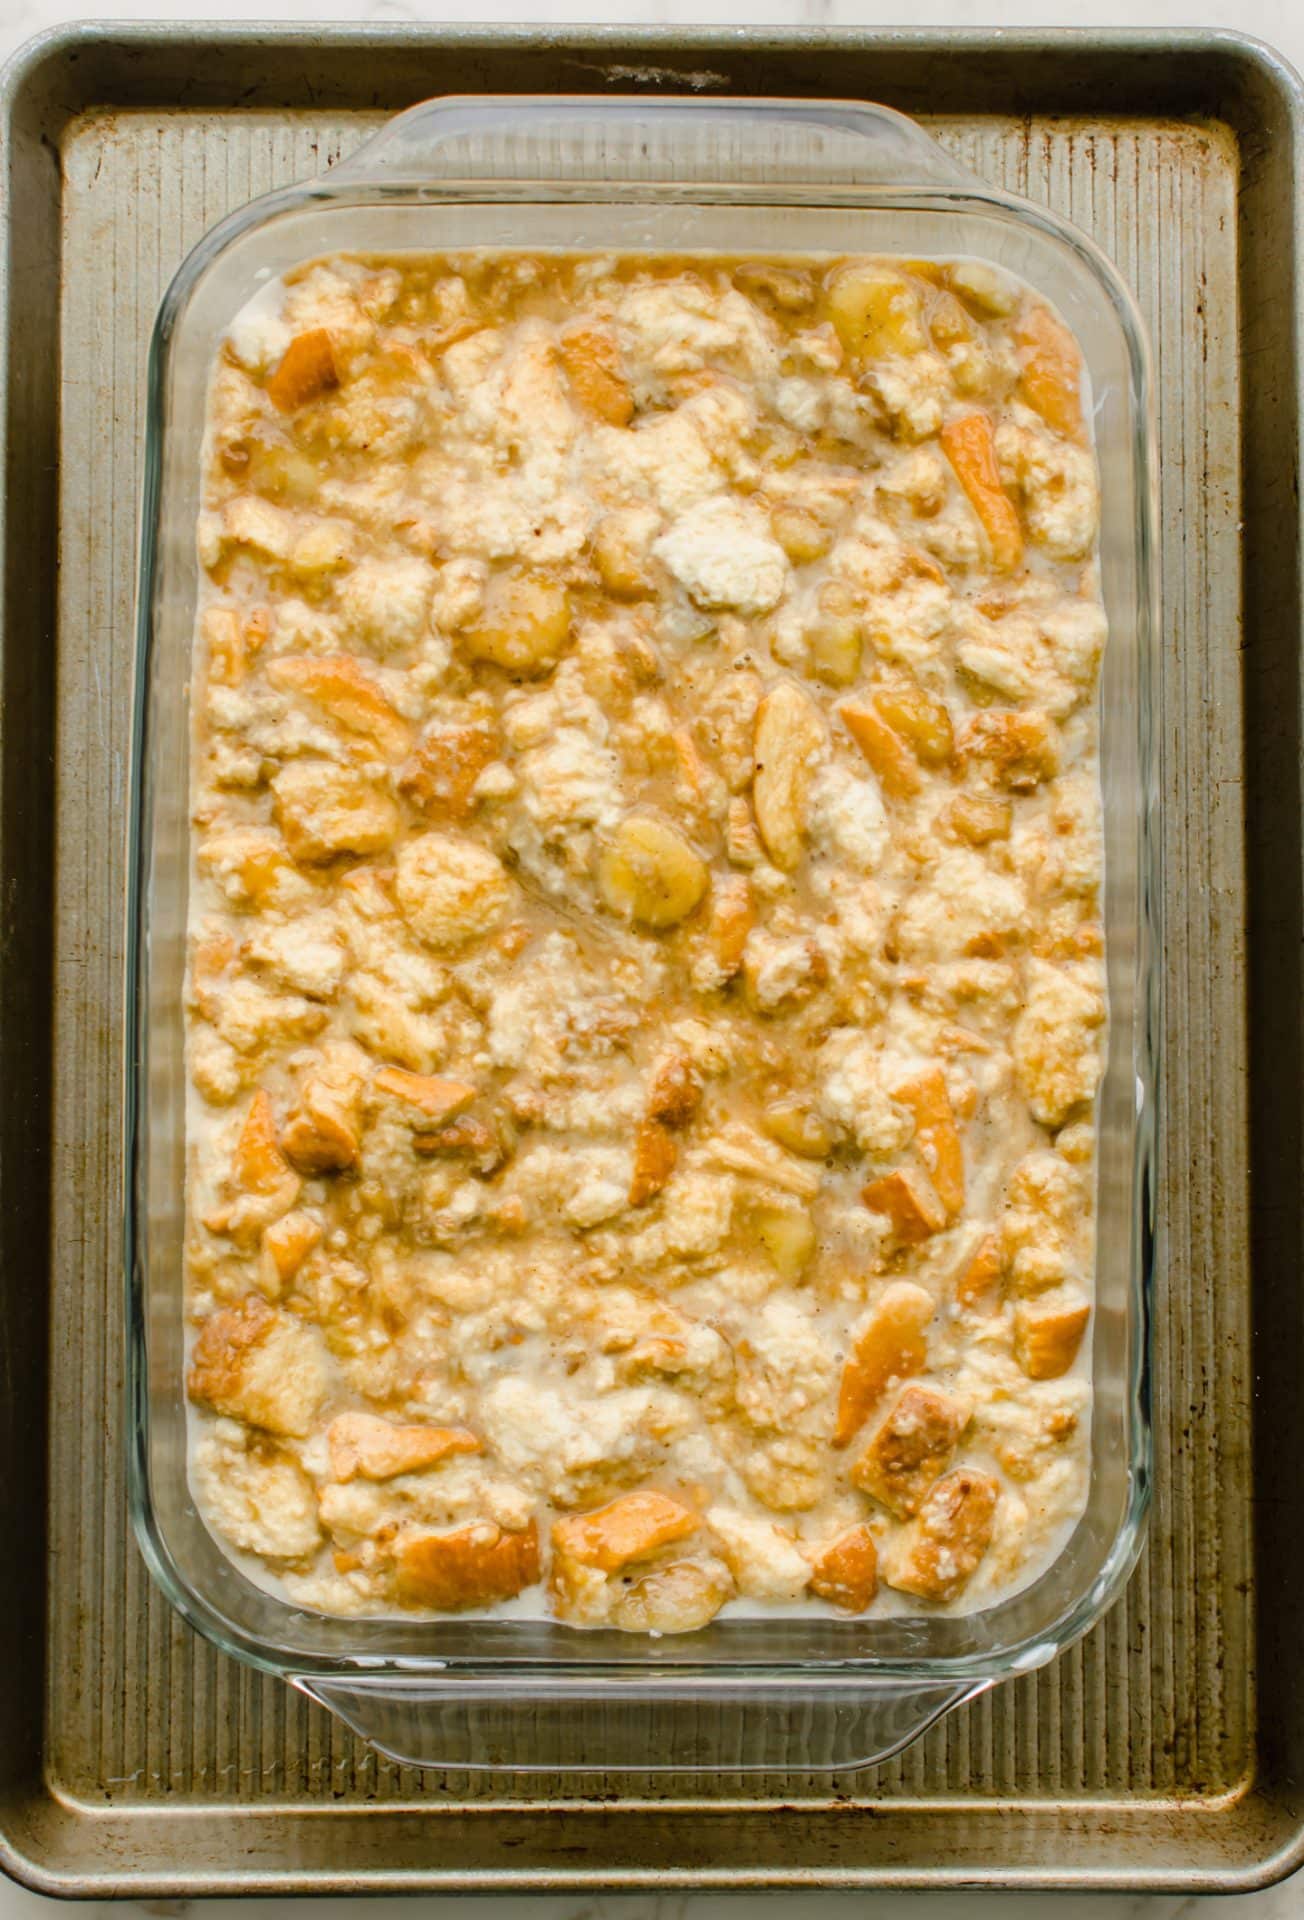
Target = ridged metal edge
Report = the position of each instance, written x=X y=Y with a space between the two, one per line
x=234 y=35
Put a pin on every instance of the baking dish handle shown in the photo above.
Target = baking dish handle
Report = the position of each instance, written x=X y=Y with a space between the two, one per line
x=606 y=137
x=613 y=1725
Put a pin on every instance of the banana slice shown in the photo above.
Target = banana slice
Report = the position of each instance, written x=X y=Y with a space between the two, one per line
x=876 y=310
x=649 y=873
x=788 y=1235
x=789 y=733
x=524 y=625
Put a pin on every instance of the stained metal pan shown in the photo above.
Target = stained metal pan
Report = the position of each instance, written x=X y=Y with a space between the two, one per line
x=1167 y=1750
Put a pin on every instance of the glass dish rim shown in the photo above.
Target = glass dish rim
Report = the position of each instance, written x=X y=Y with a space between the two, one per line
x=961 y=190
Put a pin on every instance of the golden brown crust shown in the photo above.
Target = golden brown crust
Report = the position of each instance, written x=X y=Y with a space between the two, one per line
x=441 y=775
x=592 y=362
x=676 y=1091
x=970 y=446
x=655 y=1154
x=887 y=753
x=634 y=1527
x=1051 y=377
x=936 y=1135
x=909 y=1200
x=1047 y=1338
x=307 y=369
x=1019 y=748
x=434 y=1099
x=289 y=1241
x=981 y=1274
x=473 y=1566
x=911 y=1449
x=349 y=694
x=320 y=1135
x=255 y=1363
x=891 y=1345
x=365 y=1447
x=940 y=1555
x=217 y=1362
x=846 y=1570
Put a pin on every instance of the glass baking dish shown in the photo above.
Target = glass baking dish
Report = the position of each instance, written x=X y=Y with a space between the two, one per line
x=732 y=176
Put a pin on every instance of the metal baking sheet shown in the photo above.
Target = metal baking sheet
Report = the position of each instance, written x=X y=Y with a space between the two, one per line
x=1167 y=1750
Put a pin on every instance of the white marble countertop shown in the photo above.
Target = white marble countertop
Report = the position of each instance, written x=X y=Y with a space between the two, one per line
x=1278 y=21
x=1282 y=1903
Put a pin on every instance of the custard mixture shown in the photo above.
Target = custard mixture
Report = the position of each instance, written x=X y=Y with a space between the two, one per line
x=645 y=992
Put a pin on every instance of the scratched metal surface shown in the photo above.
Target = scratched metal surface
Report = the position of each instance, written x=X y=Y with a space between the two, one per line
x=1146 y=1754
